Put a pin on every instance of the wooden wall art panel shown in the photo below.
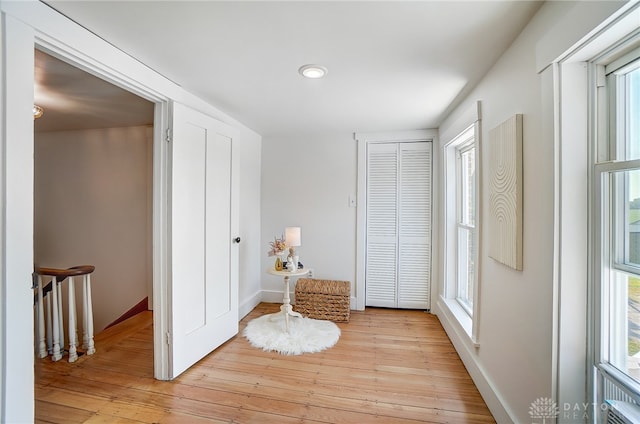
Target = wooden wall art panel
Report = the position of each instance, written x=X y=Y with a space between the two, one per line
x=505 y=192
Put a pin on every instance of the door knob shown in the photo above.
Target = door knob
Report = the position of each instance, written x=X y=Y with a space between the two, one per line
x=236 y=240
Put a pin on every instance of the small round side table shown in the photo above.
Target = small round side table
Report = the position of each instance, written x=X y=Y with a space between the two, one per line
x=286 y=309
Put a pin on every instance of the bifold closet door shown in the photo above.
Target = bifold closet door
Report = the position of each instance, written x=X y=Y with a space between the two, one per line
x=398 y=225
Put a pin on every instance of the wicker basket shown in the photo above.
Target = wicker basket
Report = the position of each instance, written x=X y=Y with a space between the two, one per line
x=323 y=299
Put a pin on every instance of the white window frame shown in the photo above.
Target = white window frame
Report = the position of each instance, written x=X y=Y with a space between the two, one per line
x=606 y=292
x=570 y=98
x=610 y=250
x=466 y=144
x=466 y=317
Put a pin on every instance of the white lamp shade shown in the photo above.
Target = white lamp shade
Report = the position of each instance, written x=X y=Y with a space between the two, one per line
x=292 y=236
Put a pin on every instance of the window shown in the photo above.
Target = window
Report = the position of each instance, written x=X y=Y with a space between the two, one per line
x=617 y=230
x=461 y=237
x=465 y=251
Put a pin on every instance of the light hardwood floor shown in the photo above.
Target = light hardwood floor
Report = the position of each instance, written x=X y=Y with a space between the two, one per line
x=389 y=366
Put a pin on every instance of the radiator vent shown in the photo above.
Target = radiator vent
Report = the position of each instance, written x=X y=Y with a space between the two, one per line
x=622 y=412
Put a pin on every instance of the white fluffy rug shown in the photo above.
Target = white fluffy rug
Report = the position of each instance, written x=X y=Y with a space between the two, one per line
x=305 y=335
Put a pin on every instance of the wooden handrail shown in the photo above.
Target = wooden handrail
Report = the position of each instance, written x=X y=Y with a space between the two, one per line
x=61 y=274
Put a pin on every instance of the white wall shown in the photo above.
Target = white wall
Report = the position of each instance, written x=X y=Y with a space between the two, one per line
x=514 y=362
x=306 y=182
x=251 y=271
x=3 y=280
x=93 y=206
x=17 y=371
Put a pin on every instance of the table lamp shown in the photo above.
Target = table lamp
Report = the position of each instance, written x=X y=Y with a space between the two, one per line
x=292 y=238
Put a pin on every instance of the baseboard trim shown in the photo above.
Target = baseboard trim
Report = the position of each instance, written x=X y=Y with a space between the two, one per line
x=141 y=306
x=275 y=296
x=487 y=390
x=248 y=305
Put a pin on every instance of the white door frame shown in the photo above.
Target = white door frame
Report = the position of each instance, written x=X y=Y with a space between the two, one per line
x=161 y=259
x=361 y=214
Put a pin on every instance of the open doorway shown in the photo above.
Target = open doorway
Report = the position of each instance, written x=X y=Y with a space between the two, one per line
x=93 y=185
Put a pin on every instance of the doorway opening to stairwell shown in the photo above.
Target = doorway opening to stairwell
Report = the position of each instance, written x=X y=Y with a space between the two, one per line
x=93 y=187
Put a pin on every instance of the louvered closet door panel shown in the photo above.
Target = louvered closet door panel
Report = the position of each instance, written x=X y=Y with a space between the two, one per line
x=382 y=215
x=414 y=215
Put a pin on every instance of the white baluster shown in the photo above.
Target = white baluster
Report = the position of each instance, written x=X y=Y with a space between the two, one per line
x=42 y=345
x=36 y=337
x=56 y=355
x=73 y=354
x=87 y=318
x=58 y=287
x=49 y=327
x=36 y=329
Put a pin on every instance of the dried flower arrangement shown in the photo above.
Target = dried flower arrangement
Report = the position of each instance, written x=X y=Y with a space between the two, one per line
x=278 y=246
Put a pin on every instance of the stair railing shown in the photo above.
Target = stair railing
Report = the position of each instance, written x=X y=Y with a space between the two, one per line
x=51 y=342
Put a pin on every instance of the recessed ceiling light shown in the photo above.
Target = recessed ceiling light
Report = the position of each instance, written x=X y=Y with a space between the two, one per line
x=313 y=71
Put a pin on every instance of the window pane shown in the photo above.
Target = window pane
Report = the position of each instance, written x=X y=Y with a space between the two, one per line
x=632 y=115
x=467 y=176
x=623 y=286
x=466 y=267
x=624 y=324
x=628 y=216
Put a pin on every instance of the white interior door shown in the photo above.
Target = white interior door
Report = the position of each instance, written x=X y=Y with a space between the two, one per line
x=382 y=225
x=414 y=226
x=204 y=277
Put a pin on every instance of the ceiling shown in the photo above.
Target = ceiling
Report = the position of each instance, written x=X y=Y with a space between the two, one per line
x=73 y=99
x=393 y=65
